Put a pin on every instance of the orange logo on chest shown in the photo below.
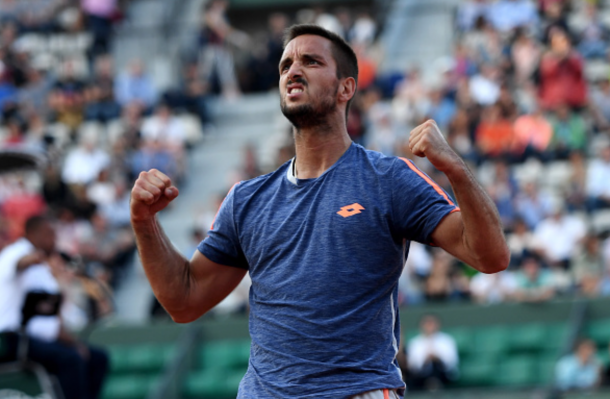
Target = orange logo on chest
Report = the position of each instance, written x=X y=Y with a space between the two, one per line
x=351 y=210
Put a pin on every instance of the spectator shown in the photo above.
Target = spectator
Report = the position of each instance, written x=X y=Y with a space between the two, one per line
x=575 y=193
x=100 y=15
x=493 y=288
x=459 y=137
x=484 y=87
x=525 y=55
x=520 y=243
x=600 y=103
x=494 y=136
x=441 y=108
x=579 y=370
x=533 y=283
x=67 y=99
x=432 y=356
x=79 y=368
x=364 y=29
x=593 y=38
x=502 y=191
x=484 y=43
x=559 y=236
x=215 y=58
x=533 y=134
x=588 y=266
x=569 y=132
x=85 y=162
x=561 y=74
x=598 y=176
x=134 y=85
x=533 y=205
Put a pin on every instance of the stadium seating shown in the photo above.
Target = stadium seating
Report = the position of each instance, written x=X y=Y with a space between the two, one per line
x=219 y=368
x=134 y=369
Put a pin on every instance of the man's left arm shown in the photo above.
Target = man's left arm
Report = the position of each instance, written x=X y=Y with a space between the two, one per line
x=475 y=234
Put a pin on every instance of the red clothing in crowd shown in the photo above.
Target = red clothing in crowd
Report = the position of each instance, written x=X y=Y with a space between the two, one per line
x=562 y=81
x=495 y=137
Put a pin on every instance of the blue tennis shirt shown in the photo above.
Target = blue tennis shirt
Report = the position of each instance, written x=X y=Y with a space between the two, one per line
x=325 y=255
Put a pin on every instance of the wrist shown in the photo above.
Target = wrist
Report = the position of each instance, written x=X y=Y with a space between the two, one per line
x=456 y=169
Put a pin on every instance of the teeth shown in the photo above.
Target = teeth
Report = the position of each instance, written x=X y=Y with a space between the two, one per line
x=296 y=90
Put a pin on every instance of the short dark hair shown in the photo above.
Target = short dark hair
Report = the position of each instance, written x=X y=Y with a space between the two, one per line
x=345 y=58
x=33 y=223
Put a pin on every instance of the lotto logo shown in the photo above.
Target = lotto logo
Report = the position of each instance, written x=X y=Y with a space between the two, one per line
x=351 y=210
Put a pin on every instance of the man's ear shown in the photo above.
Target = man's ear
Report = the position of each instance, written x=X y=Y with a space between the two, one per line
x=347 y=89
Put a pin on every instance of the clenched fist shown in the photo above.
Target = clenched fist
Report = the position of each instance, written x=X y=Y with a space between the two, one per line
x=427 y=141
x=151 y=193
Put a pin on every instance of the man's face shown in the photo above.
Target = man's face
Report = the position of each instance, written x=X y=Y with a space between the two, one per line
x=45 y=238
x=429 y=325
x=308 y=81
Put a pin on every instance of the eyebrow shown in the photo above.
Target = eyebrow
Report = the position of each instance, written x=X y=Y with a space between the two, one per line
x=308 y=56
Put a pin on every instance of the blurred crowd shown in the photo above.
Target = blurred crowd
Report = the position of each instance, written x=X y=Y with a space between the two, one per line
x=524 y=100
x=93 y=126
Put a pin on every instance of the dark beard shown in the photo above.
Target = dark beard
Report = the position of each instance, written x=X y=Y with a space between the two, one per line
x=306 y=116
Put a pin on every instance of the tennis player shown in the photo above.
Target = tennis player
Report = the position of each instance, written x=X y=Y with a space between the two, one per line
x=324 y=238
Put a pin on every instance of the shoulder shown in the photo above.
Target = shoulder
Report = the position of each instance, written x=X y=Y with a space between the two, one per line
x=263 y=183
x=380 y=163
x=17 y=249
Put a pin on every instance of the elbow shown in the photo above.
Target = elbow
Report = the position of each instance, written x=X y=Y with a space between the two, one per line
x=184 y=317
x=494 y=263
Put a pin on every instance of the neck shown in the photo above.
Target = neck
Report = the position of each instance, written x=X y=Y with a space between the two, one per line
x=318 y=148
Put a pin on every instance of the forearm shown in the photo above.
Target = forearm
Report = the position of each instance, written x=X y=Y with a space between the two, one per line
x=167 y=270
x=482 y=233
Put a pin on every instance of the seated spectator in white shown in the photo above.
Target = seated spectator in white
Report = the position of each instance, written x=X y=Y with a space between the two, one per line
x=165 y=128
x=580 y=370
x=117 y=213
x=134 y=85
x=598 y=180
x=84 y=163
x=24 y=265
x=534 y=284
x=520 y=242
x=588 y=266
x=101 y=191
x=505 y=15
x=484 y=87
x=432 y=356
x=559 y=236
x=493 y=288
x=470 y=11
x=364 y=29
x=532 y=204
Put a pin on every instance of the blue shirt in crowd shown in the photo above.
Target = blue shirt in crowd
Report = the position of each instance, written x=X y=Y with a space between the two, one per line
x=324 y=256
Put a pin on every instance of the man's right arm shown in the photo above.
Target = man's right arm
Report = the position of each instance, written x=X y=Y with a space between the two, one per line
x=186 y=289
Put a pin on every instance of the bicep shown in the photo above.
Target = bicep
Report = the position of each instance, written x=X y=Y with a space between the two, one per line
x=449 y=235
x=210 y=283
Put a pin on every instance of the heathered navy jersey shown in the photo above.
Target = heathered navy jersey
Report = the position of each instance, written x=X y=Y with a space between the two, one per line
x=325 y=255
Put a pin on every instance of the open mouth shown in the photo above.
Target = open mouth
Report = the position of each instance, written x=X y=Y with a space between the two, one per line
x=295 y=90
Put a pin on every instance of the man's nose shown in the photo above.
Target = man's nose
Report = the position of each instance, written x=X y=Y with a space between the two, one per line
x=295 y=71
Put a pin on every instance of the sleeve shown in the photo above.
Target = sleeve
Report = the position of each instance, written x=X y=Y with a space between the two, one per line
x=418 y=203
x=222 y=243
